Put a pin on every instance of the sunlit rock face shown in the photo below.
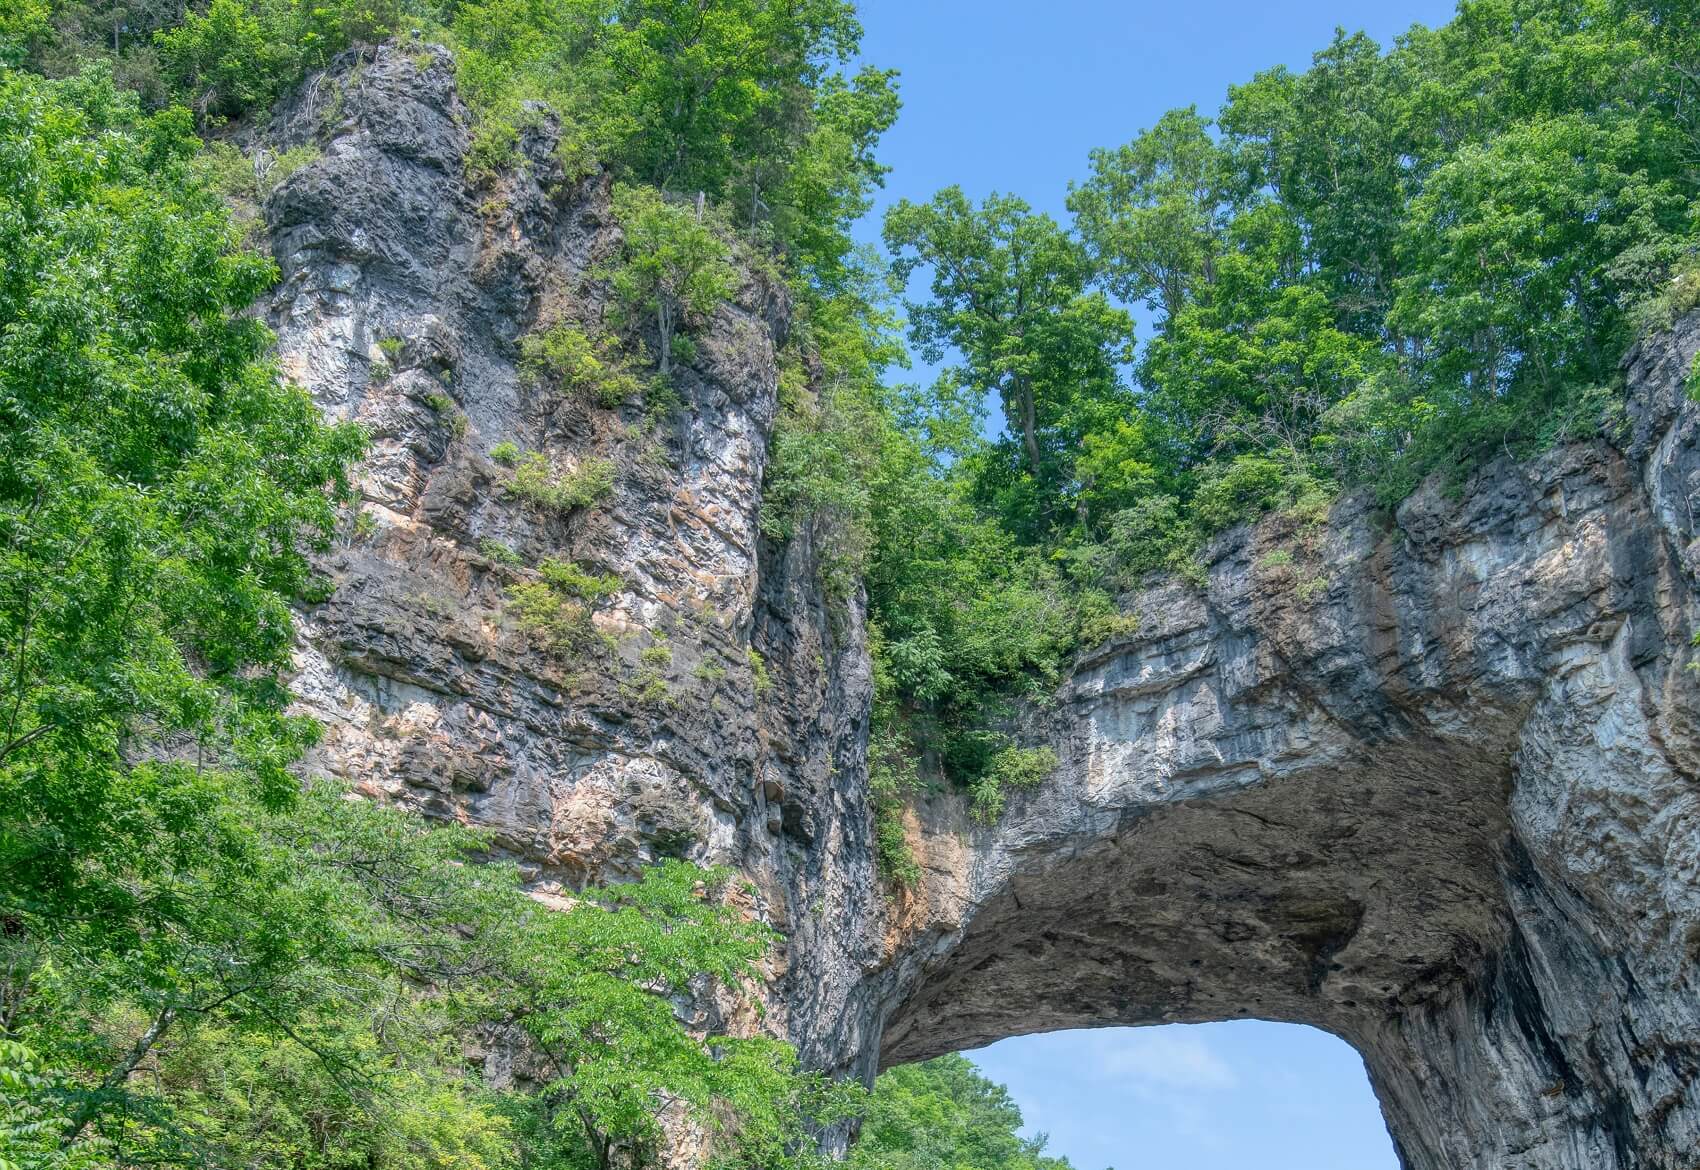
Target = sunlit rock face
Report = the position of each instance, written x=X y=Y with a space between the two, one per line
x=1425 y=779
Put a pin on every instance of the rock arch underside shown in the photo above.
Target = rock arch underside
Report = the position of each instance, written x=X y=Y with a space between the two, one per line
x=1426 y=779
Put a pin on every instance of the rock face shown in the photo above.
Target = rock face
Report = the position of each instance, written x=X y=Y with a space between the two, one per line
x=1425 y=780
x=718 y=711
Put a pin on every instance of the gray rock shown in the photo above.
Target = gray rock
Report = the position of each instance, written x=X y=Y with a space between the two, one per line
x=1427 y=781
x=430 y=692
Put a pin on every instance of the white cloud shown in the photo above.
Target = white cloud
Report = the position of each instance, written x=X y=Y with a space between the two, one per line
x=1172 y=1059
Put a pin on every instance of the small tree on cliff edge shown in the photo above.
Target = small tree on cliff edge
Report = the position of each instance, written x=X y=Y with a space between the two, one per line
x=673 y=265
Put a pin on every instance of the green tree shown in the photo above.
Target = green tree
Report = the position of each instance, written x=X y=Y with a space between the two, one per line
x=1673 y=40
x=673 y=266
x=718 y=83
x=738 y=100
x=21 y=26
x=1009 y=296
x=944 y=1115
x=600 y=980
x=222 y=59
x=1522 y=255
x=1253 y=362
x=827 y=182
x=1151 y=214
x=159 y=489
x=1331 y=145
x=290 y=1027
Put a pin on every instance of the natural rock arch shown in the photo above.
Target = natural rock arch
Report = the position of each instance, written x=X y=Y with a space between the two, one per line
x=1429 y=784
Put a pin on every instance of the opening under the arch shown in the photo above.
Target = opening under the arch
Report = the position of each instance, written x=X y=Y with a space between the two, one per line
x=1220 y=1096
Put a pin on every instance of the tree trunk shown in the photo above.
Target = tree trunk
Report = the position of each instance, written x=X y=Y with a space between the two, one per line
x=138 y=1051
x=664 y=322
x=1029 y=425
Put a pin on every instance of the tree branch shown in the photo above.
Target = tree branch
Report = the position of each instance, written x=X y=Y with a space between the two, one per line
x=91 y=1106
x=27 y=737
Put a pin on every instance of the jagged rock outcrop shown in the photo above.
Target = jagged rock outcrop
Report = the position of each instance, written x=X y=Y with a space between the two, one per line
x=1427 y=779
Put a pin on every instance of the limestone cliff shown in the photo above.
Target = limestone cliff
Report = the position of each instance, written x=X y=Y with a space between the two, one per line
x=405 y=292
x=1427 y=780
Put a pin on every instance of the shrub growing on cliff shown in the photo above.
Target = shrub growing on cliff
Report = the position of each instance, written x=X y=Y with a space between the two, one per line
x=760 y=680
x=673 y=266
x=892 y=781
x=557 y=607
x=570 y=358
x=536 y=480
x=1011 y=769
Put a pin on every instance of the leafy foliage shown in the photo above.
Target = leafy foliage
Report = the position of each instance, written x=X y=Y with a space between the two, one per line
x=1010 y=769
x=159 y=488
x=893 y=779
x=557 y=607
x=29 y=1128
x=674 y=267
x=1152 y=214
x=569 y=357
x=536 y=480
x=598 y=1010
x=1009 y=294
x=500 y=552
x=945 y=1114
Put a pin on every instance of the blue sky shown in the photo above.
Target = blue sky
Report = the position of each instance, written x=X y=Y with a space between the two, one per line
x=1224 y=1096
x=1010 y=95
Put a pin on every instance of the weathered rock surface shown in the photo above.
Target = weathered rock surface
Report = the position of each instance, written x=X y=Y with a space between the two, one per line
x=1426 y=780
x=405 y=292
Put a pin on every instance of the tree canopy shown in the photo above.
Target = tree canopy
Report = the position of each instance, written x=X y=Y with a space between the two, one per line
x=944 y=1115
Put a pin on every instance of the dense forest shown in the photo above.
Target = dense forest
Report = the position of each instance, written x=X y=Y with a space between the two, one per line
x=1390 y=266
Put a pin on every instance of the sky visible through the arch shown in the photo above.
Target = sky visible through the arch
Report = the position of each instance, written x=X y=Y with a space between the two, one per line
x=1010 y=95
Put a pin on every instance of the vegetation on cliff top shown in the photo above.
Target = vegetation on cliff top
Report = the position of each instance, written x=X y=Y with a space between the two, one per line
x=1387 y=266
